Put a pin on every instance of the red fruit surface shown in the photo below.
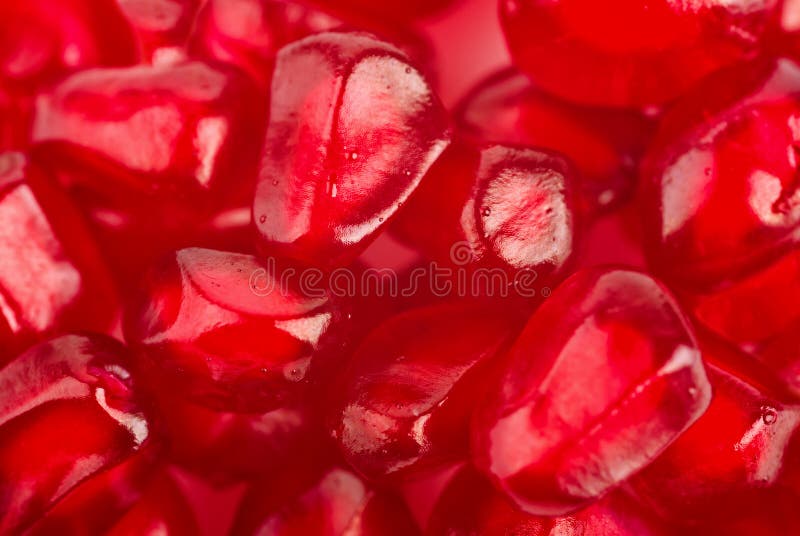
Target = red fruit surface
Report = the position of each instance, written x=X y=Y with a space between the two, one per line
x=353 y=128
x=755 y=309
x=470 y=506
x=721 y=180
x=41 y=40
x=161 y=27
x=726 y=461
x=188 y=131
x=605 y=144
x=249 y=33
x=162 y=510
x=336 y=503
x=404 y=403
x=226 y=447
x=501 y=207
x=782 y=356
x=68 y=412
x=390 y=11
x=52 y=278
x=15 y=119
x=604 y=377
x=636 y=53
x=222 y=328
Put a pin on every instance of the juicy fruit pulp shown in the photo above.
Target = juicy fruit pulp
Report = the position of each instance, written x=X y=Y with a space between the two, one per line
x=636 y=53
x=313 y=271
x=338 y=502
x=353 y=128
x=406 y=397
x=67 y=413
x=219 y=326
x=52 y=278
x=505 y=207
x=605 y=144
x=603 y=378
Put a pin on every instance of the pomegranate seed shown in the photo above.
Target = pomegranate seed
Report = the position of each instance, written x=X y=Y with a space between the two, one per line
x=67 y=412
x=469 y=505
x=220 y=328
x=721 y=180
x=161 y=27
x=405 y=401
x=725 y=460
x=337 y=503
x=177 y=131
x=162 y=509
x=353 y=128
x=605 y=144
x=636 y=54
x=227 y=447
x=387 y=11
x=604 y=377
x=502 y=207
x=52 y=278
x=249 y=33
x=40 y=40
x=754 y=309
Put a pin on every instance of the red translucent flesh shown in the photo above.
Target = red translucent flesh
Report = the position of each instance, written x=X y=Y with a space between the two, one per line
x=338 y=502
x=249 y=33
x=162 y=510
x=725 y=460
x=353 y=128
x=52 y=278
x=755 y=309
x=188 y=131
x=226 y=332
x=470 y=506
x=391 y=12
x=226 y=447
x=40 y=40
x=67 y=412
x=15 y=119
x=161 y=27
x=404 y=403
x=512 y=208
x=782 y=356
x=720 y=184
x=604 y=377
x=637 y=54
x=605 y=144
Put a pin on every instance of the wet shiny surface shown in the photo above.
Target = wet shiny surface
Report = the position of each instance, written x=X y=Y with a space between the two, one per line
x=353 y=128
x=603 y=378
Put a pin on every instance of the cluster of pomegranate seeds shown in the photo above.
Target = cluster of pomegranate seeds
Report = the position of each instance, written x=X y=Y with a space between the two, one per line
x=444 y=267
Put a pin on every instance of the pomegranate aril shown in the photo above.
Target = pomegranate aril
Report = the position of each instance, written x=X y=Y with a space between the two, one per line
x=727 y=459
x=353 y=128
x=68 y=411
x=41 y=41
x=162 y=509
x=721 y=179
x=52 y=278
x=226 y=447
x=755 y=309
x=605 y=144
x=603 y=378
x=338 y=502
x=635 y=53
x=403 y=404
x=391 y=11
x=470 y=506
x=161 y=27
x=249 y=33
x=188 y=131
x=501 y=207
x=223 y=329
